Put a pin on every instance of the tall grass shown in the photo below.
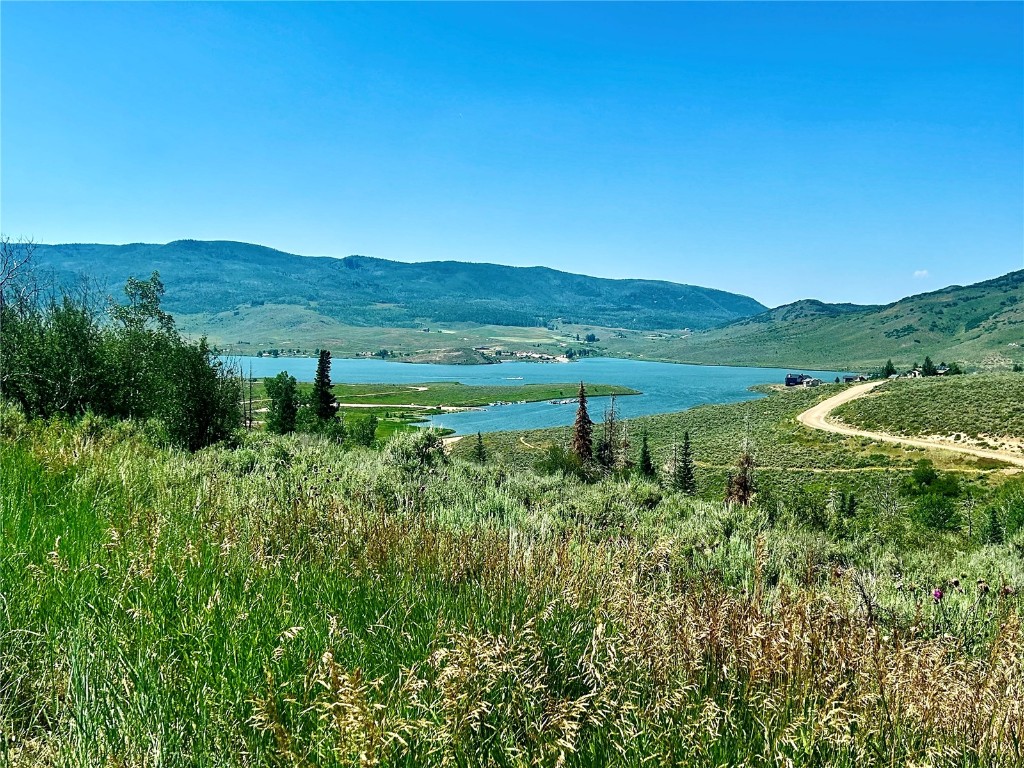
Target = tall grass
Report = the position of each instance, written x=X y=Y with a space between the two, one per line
x=289 y=603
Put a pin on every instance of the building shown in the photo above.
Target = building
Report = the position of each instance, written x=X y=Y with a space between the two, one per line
x=812 y=382
x=796 y=379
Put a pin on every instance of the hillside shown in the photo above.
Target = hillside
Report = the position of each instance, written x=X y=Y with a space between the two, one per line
x=980 y=324
x=985 y=406
x=208 y=278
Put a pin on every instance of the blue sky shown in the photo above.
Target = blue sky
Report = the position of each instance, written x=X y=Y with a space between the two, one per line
x=846 y=152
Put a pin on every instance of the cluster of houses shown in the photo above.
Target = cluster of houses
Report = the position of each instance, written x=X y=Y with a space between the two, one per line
x=806 y=380
x=917 y=373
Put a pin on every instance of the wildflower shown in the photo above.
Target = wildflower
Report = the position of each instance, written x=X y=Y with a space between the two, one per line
x=937 y=595
x=982 y=587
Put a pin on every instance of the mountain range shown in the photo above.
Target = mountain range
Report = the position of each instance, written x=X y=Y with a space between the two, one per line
x=248 y=297
x=212 y=277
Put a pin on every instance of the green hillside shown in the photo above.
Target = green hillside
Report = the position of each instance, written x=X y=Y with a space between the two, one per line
x=208 y=278
x=980 y=324
x=989 y=405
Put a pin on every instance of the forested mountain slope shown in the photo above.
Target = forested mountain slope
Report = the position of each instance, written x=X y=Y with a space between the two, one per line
x=212 y=277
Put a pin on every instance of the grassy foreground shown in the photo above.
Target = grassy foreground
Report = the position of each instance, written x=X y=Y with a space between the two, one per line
x=285 y=602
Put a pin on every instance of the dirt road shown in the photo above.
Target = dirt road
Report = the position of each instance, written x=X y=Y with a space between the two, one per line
x=817 y=418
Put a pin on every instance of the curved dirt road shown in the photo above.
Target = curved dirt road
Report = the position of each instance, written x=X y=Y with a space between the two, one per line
x=817 y=418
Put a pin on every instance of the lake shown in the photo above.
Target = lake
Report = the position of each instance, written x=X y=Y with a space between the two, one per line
x=666 y=387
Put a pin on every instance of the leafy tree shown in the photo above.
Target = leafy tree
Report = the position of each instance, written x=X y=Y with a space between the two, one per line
x=479 y=452
x=61 y=357
x=361 y=430
x=646 y=464
x=683 y=477
x=204 y=406
x=954 y=370
x=583 y=429
x=934 y=496
x=284 y=403
x=591 y=338
x=889 y=369
x=322 y=400
x=143 y=311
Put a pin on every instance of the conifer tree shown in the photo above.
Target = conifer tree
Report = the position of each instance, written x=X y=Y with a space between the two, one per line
x=889 y=370
x=583 y=429
x=322 y=400
x=479 y=452
x=683 y=478
x=646 y=464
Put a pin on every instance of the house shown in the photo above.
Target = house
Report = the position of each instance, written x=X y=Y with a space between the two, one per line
x=852 y=379
x=942 y=370
x=915 y=374
x=796 y=379
x=810 y=382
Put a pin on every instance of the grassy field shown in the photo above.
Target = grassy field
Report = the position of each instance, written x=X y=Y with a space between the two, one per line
x=981 y=404
x=400 y=407
x=456 y=394
x=285 y=602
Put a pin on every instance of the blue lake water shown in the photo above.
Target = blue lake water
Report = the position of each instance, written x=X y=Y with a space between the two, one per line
x=666 y=387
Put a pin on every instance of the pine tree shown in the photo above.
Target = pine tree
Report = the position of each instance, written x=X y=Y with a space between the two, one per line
x=646 y=464
x=683 y=478
x=741 y=482
x=928 y=369
x=322 y=399
x=889 y=370
x=583 y=429
x=479 y=452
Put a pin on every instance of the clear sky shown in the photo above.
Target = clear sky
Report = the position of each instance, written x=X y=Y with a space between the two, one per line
x=845 y=152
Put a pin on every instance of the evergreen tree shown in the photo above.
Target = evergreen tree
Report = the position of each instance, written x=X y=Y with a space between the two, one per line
x=683 y=478
x=646 y=464
x=928 y=369
x=741 y=482
x=994 y=528
x=583 y=429
x=889 y=370
x=479 y=452
x=284 y=403
x=322 y=400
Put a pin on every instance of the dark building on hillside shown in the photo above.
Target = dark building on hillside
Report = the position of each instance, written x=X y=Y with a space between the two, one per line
x=796 y=379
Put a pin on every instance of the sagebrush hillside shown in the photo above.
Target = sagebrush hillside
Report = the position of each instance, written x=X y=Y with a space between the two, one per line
x=213 y=277
x=981 y=324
